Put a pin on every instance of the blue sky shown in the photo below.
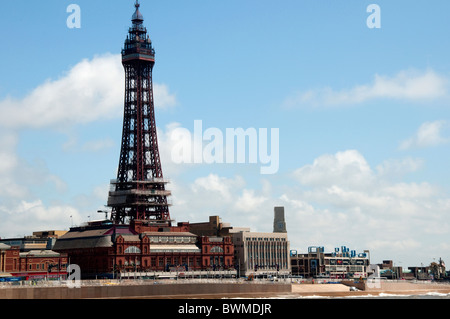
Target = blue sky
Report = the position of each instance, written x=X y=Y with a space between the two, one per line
x=362 y=113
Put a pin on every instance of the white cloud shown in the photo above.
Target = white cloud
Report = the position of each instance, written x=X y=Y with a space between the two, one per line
x=250 y=202
x=401 y=245
x=395 y=168
x=28 y=216
x=221 y=186
x=348 y=167
x=9 y=165
x=8 y=157
x=341 y=199
x=72 y=145
x=91 y=90
x=429 y=134
x=406 y=85
x=163 y=98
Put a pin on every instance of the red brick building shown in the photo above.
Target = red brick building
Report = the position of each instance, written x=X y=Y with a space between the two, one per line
x=33 y=264
x=106 y=249
x=9 y=258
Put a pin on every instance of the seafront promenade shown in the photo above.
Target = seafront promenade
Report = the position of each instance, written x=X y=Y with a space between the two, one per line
x=138 y=289
x=214 y=289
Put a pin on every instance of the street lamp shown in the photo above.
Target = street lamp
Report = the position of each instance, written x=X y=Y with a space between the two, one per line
x=105 y=212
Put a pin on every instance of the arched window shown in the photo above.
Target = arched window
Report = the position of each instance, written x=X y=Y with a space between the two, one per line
x=217 y=249
x=132 y=250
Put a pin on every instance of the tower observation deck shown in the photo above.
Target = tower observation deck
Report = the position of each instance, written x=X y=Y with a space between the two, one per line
x=139 y=192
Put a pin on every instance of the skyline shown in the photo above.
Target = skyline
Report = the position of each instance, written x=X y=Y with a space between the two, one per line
x=362 y=116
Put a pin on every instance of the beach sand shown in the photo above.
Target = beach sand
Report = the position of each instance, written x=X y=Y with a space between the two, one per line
x=334 y=291
x=386 y=289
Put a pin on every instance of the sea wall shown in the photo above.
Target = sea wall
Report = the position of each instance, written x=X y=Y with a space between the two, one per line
x=142 y=291
x=396 y=286
x=404 y=286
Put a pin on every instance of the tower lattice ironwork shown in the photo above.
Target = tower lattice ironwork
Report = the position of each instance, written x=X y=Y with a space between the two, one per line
x=139 y=192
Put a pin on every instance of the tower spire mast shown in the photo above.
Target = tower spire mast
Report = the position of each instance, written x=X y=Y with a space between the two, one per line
x=139 y=191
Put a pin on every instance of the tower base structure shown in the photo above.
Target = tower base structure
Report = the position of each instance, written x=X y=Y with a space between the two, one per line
x=140 y=200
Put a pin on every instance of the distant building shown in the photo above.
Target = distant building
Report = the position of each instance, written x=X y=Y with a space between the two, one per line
x=262 y=254
x=388 y=270
x=342 y=263
x=255 y=253
x=9 y=259
x=213 y=227
x=40 y=240
x=32 y=257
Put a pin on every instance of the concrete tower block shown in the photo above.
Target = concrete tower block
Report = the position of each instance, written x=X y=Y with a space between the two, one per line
x=279 y=223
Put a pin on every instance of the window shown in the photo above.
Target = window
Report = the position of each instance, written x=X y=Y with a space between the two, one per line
x=132 y=250
x=217 y=249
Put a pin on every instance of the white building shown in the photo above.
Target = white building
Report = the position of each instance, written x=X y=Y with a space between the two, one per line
x=261 y=254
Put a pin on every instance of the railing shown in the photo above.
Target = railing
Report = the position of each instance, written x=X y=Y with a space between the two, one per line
x=155 y=192
x=138 y=50
x=205 y=277
x=150 y=181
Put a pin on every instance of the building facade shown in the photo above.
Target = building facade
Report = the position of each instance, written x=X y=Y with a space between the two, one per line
x=262 y=254
x=255 y=253
x=9 y=259
x=106 y=249
x=31 y=264
x=342 y=263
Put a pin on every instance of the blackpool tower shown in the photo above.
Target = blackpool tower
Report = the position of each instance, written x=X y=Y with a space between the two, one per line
x=139 y=192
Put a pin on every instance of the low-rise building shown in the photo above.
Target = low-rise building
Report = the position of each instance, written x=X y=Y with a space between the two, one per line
x=255 y=253
x=342 y=263
x=31 y=264
x=40 y=240
x=262 y=254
